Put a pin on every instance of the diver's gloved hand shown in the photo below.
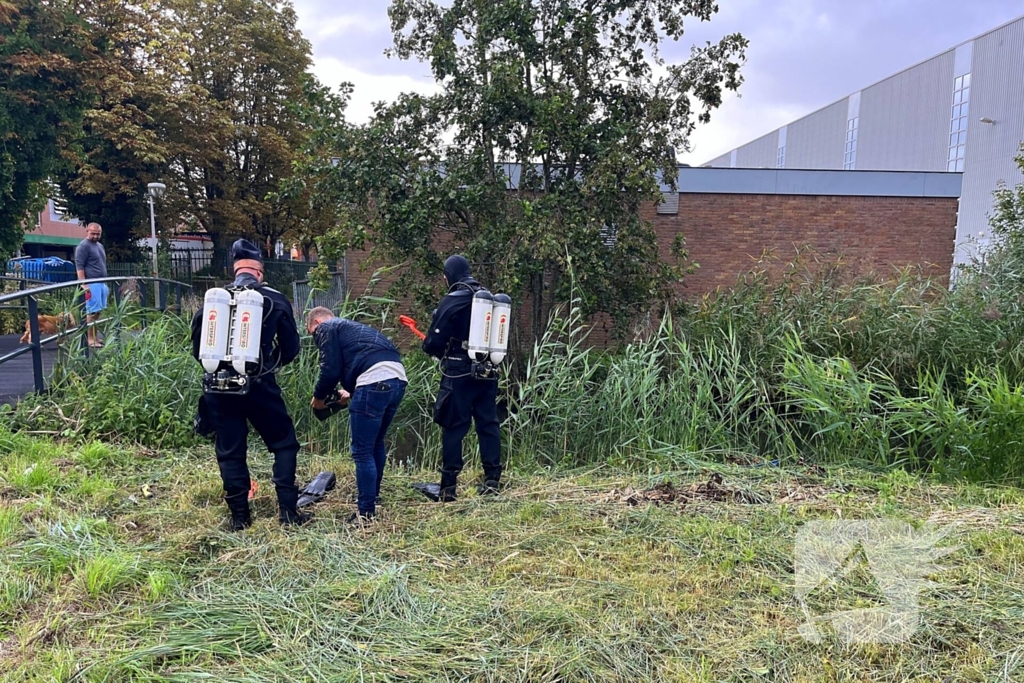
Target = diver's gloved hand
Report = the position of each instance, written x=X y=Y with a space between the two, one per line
x=324 y=409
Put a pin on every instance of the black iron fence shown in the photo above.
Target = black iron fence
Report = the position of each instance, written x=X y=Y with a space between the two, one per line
x=305 y=298
x=199 y=268
x=204 y=268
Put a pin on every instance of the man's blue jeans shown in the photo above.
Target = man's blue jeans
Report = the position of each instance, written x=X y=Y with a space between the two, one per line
x=371 y=410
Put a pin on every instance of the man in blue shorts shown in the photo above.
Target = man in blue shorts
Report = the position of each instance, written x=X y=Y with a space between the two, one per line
x=91 y=262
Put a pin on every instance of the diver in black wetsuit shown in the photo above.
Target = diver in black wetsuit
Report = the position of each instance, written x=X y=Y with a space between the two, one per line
x=462 y=399
x=263 y=407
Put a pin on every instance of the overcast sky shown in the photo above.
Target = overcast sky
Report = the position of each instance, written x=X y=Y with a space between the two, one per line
x=803 y=55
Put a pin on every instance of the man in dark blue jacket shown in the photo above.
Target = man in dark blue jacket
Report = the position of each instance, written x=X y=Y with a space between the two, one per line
x=462 y=399
x=263 y=406
x=369 y=369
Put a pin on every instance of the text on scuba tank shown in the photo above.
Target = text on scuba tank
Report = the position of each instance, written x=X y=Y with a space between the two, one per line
x=502 y=326
x=243 y=336
x=211 y=329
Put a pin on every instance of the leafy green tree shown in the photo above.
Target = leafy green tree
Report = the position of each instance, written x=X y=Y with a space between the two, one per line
x=48 y=66
x=1007 y=221
x=321 y=113
x=122 y=146
x=244 y=65
x=555 y=121
x=201 y=95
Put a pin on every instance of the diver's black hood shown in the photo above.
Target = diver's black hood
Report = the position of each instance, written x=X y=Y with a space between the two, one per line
x=456 y=269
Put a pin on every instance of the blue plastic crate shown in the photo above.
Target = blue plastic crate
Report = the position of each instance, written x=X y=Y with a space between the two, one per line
x=48 y=269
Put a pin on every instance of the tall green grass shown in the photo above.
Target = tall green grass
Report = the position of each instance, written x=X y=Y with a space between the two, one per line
x=144 y=387
x=666 y=394
x=816 y=365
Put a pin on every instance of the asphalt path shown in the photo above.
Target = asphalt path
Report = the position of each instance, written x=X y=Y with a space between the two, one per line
x=16 y=377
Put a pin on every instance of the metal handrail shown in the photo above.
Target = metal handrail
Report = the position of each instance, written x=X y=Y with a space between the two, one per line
x=35 y=345
x=22 y=281
x=77 y=283
x=12 y=278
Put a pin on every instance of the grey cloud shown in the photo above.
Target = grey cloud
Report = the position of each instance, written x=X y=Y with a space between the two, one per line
x=804 y=54
x=354 y=35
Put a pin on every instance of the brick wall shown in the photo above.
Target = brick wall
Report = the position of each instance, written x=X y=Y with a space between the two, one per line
x=727 y=233
x=360 y=271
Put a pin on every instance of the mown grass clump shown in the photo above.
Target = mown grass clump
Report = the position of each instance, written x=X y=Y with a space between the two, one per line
x=10 y=524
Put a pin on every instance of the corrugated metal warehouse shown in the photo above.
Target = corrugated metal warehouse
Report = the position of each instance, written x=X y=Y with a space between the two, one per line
x=961 y=111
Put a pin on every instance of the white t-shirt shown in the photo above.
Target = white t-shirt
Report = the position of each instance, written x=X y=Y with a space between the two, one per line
x=382 y=372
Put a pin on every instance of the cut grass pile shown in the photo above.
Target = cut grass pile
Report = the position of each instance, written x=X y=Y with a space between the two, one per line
x=117 y=566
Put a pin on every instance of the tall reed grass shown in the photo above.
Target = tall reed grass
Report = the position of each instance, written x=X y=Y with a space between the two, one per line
x=814 y=367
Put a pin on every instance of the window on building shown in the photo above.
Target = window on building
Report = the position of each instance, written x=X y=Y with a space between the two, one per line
x=958 y=123
x=58 y=210
x=669 y=203
x=850 y=158
x=57 y=205
x=781 y=161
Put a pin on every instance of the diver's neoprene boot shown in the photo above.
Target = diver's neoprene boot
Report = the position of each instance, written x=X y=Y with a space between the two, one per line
x=488 y=488
x=287 y=498
x=241 y=518
x=294 y=518
x=440 y=493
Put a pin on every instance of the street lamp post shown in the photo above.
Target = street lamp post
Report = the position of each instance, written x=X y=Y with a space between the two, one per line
x=155 y=190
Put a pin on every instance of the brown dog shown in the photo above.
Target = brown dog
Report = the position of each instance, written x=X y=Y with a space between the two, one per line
x=50 y=325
